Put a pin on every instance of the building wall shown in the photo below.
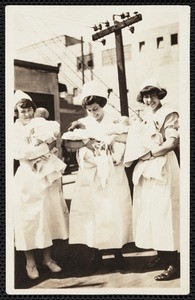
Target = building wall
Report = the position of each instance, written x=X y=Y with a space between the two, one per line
x=41 y=83
x=161 y=63
x=53 y=52
x=151 y=62
x=38 y=79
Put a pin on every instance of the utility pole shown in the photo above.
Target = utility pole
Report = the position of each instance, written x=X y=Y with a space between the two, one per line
x=90 y=52
x=82 y=61
x=117 y=30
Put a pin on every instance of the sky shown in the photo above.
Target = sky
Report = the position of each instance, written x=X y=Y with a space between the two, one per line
x=33 y=23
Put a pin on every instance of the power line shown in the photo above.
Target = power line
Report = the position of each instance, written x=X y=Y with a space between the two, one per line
x=58 y=37
x=70 y=81
x=69 y=56
x=50 y=62
x=94 y=75
x=43 y=42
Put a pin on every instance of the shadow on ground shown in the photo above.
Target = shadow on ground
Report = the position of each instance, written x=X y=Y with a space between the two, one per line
x=80 y=261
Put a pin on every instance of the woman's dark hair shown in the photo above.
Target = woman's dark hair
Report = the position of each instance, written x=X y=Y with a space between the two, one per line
x=24 y=103
x=149 y=89
x=94 y=99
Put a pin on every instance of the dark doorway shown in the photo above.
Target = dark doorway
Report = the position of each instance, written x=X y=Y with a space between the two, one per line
x=44 y=100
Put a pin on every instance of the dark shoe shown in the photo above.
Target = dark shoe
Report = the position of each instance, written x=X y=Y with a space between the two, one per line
x=171 y=273
x=155 y=263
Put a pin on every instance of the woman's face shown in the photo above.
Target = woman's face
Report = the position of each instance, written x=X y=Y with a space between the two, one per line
x=25 y=114
x=152 y=101
x=96 y=111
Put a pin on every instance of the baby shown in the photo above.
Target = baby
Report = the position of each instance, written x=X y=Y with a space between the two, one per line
x=40 y=130
x=78 y=131
x=101 y=134
x=141 y=138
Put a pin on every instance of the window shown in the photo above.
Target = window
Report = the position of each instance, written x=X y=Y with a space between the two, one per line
x=88 y=62
x=141 y=46
x=127 y=52
x=109 y=55
x=174 y=39
x=159 y=42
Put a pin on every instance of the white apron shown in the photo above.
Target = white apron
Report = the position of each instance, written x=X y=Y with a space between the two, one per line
x=101 y=217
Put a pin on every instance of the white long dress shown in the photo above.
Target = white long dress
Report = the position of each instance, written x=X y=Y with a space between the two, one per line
x=156 y=202
x=40 y=214
x=101 y=217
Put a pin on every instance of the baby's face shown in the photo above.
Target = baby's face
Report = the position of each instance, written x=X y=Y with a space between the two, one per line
x=38 y=114
x=122 y=120
x=41 y=113
x=125 y=120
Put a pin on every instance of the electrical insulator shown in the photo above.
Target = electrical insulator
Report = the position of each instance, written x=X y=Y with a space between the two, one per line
x=122 y=16
x=126 y=15
x=103 y=42
x=132 y=29
x=95 y=28
x=107 y=24
x=100 y=26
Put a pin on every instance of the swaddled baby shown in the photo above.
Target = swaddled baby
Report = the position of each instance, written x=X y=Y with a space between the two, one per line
x=141 y=138
x=78 y=131
x=101 y=133
x=38 y=131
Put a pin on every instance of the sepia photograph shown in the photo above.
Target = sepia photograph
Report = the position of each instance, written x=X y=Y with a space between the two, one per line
x=97 y=149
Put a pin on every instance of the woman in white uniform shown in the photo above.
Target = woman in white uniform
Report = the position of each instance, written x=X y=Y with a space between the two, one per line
x=156 y=198
x=100 y=218
x=40 y=213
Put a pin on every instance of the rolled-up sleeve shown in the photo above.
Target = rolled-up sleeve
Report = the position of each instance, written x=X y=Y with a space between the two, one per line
x=171 y=125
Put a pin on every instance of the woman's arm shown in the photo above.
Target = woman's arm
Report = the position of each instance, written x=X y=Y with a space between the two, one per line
x=73 y=146
x=170 y=144
x=171 y=136
x=121 y=138
x=28 y=151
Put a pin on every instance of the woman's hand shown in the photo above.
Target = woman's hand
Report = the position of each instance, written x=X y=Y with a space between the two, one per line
x=109 y=144
x=146 y=156
x=90 y=144
x=38 y=142
x=52 y=145
x=76 y=125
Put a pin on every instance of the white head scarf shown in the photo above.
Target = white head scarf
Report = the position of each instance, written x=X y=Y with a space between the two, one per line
x=19 y=95
x=150 y=82
x=93 y=88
